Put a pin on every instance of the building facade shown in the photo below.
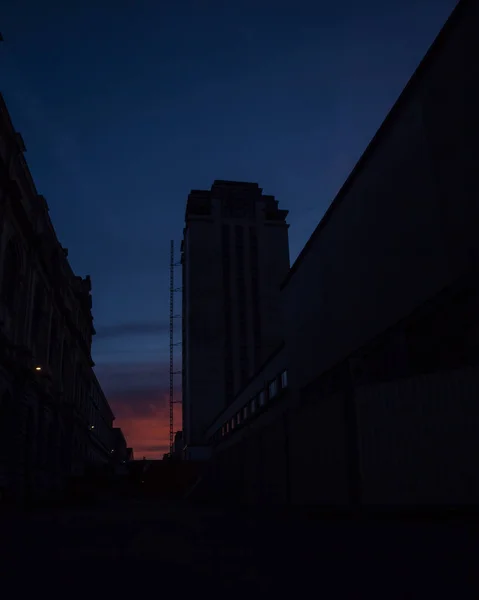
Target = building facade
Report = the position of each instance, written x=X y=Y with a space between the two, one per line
x=119 y=448
x=234 y=254
x=372 y=398
x=100 y=425
x=178 y=446
x=54 y=418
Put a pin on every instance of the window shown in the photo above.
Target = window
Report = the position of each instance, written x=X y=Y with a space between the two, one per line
x=11 y=275
x=233 y=423
x=253 y=237
x=273 y=388
x=238 y=418
x=284 y=379
x=54 y=344
x=262 y=398
x=37 y=311
x=67 y=370
x=253 y=405
x=245 y=413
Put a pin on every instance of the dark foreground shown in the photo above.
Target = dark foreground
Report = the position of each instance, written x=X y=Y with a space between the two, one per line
x=131 y=546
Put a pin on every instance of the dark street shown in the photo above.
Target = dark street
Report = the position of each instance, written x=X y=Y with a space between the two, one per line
x=235 y=549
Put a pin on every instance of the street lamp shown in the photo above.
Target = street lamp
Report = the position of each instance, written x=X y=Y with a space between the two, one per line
x=38 y=368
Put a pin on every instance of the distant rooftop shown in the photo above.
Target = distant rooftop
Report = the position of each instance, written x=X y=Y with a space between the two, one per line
x=233 y=193
x=223 y=182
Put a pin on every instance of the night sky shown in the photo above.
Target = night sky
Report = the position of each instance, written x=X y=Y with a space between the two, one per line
x=126 y=106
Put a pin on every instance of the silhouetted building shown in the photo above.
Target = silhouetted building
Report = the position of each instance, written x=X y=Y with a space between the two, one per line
x=178 y=445
x=100 y=424
x=54 y=417
x=119 y=449
x=372 y=397
x=235 y=254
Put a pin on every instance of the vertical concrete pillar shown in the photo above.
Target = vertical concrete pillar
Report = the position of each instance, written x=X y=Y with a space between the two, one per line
x=286 y=420
x=3 y=237
x=28 y=295
x=352 y=440
x=48 y=324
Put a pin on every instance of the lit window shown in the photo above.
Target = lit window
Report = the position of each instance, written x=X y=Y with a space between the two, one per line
x=262 y=398
x=284 y=379
x=273 y=388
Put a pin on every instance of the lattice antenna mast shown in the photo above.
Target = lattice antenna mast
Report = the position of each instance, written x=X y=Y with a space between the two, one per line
x=172 y=342
x=172 y=287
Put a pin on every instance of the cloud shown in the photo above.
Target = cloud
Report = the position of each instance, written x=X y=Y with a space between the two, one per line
x=126 y=378
x=132 y=328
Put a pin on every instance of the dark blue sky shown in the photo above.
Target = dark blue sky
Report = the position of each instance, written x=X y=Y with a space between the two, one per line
x=126 y=106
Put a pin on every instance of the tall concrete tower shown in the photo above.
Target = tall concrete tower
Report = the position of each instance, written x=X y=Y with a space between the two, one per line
x=235 y=254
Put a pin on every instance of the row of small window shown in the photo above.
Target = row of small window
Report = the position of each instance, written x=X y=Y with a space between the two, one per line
x=256 y=403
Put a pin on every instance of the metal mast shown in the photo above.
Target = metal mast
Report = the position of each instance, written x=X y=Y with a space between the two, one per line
x=172 y=344
x=172 y=288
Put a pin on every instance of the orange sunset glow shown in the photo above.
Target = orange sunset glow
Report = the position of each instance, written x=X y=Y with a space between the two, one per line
x=138 y=395
x=146 y=431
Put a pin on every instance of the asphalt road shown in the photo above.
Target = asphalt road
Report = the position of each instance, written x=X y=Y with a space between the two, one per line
x=136 y=545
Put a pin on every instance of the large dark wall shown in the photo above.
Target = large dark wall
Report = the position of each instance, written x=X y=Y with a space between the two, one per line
x=318 y=450
x=298 y=456
x=273 y=482
x=367 y=431
x=405 y=224
x=418 y=439
x=449 y=101
x=415 y=442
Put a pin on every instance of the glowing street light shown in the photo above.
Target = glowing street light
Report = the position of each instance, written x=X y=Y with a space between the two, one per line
x=38 y=368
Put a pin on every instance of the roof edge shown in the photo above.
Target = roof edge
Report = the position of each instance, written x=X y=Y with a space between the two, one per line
x=437 y=43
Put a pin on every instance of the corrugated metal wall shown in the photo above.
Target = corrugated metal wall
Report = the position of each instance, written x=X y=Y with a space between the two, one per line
x=417 y=443
x=419 y=439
